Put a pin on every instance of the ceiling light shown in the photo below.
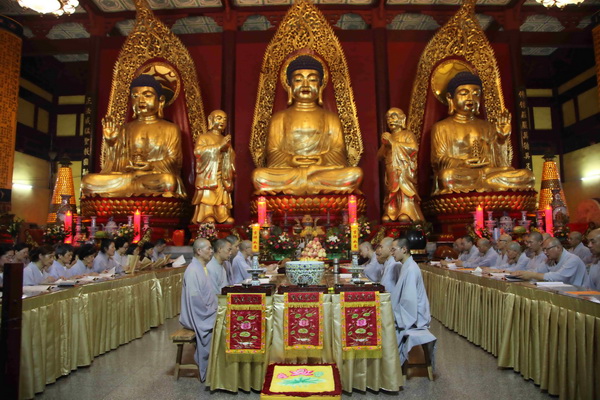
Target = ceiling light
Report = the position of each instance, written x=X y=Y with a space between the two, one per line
x=558 y=3
x=56 y=7
x=22 y=186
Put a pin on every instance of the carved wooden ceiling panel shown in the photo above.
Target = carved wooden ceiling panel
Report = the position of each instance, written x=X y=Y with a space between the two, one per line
x=127 y=5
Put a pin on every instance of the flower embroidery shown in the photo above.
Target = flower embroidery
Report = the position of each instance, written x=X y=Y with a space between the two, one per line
x=361 y=322
x=301 y=371
x=281 y=376
x=303 y=322
x=245 y=325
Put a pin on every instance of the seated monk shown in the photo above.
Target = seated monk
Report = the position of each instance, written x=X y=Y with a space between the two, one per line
x=143 y=156
x=469 y=153
x=305 y=143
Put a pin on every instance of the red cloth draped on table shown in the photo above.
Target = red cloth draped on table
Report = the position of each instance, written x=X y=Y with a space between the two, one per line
x=246 y=326
x=361 y=325
x=303 y=324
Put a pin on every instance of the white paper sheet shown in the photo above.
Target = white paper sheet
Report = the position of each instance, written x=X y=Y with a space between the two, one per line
x=179 y=262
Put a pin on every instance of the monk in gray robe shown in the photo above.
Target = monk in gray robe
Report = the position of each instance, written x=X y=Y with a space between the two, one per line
x=199 y=303
x=241 y=263
x=216 y=267
x=410 y=304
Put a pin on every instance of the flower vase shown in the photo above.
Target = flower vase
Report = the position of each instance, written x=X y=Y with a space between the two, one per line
x=278 y=256
x=333 y=256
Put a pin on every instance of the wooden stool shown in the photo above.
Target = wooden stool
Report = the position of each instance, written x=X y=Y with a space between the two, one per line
x=181 y=337
x=426 y=364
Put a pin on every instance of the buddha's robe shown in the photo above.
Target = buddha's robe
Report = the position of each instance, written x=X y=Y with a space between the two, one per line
x=199 y=310
x=239 y=268
x=158 y=143
x=294 y=133
x=400 y=180
x=582 y=252
x=217 y=275
x=569 y=269
x=453 y=143
x=215 y=171
x=411 y=310
x=372 y=269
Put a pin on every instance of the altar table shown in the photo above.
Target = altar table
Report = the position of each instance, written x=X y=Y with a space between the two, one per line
x=550 y=338
x=374 y=373
x=63 y=330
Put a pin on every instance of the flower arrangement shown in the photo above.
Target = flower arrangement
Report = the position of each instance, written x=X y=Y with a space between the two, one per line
x=55 y=234
x=280 y=243
x=423 y=226
x=335 y=243
x=207 y=231
x=14 y=227
x=125 y=231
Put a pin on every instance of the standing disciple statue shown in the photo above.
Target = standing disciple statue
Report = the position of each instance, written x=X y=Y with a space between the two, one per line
x=306 y=153
x=399 y=152
x=215 y=171
x=143 y=156
x=469 y=153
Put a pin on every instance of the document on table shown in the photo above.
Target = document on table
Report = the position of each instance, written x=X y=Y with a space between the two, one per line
x=109 y=274
x=179 y=262
x=36 y=288
x=551 y=284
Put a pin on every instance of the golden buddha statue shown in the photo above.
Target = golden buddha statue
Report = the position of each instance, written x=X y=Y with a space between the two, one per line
x=399 y=151
x=469 y=153
x=142 y=157
x=306 y=154
x=215 y=171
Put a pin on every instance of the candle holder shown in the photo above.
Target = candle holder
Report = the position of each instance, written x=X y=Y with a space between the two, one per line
x=255 y=271
x=356 y=270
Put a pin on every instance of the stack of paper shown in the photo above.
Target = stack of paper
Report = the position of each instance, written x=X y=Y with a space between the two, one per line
x=179 y=262
x=109 y=274
x=36 y=288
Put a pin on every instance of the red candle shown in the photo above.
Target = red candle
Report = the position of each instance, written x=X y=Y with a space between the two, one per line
x=479 y=217
x=137 y=226
x=262 y=211
x=549 y=222
x=352 y=209
x=69 y=227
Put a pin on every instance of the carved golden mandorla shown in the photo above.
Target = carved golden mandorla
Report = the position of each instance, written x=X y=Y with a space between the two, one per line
x=305 y=27
x=461 y=37
x=150 y=39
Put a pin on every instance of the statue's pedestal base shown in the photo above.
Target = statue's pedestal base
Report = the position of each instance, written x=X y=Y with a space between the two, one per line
x=329 y=207
x=163 y=211
x=451 y=213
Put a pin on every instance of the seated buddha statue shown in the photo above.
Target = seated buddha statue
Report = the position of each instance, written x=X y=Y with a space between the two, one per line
x=142 y=157
x=306 y=153
x=469 y=153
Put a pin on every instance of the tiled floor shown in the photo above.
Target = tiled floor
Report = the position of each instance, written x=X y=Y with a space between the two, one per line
x=143 y=369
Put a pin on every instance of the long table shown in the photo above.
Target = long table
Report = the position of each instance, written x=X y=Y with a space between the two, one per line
x=548 y=337
x=63 y=330
x=359 y=373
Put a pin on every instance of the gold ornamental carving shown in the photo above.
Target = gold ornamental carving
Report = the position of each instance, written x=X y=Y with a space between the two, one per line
x=305 y=27
x=462 y=39
x=459 y=203
x=150 y=39
x=311 y=204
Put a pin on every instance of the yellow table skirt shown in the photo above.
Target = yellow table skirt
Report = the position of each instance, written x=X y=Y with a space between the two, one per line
x=383 y=373
x=64 y=330
x=549 y=338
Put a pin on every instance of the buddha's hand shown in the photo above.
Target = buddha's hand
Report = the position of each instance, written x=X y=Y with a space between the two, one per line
x=109 y=127
x=476 y=162
x=139 y=166
x=386 y=137
x=226 y=143
x=503 y=127
x=305 y=161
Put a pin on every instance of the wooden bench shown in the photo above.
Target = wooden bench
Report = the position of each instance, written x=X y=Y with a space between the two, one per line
x=181 y=337
x=426 y=364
